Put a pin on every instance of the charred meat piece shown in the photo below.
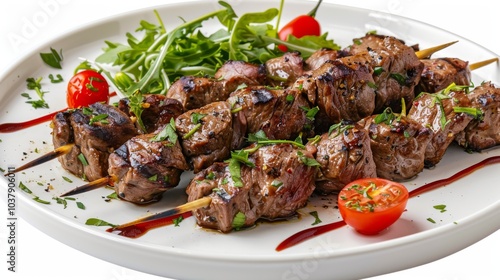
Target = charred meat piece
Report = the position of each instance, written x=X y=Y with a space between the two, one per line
x=439 y=73
x=157 y=111
x=284 y=70
x=398 y=144
x=280 y=113
x=344 y=155
x=437 y=112
x=278 y=185
x=195 y=92
x=396 y=69
x=342 y=89
x=146 y=165
x=321 y=56
x=96 y=132
x=207 y=134
x=483 y=133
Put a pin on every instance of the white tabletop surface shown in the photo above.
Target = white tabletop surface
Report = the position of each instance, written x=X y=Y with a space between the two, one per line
x=42 y=257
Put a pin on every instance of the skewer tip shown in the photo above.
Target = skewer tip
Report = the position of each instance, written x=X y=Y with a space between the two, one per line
x=426 y=53
x=480 y=64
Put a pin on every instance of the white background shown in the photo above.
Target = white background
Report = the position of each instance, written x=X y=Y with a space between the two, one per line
x=39 y=21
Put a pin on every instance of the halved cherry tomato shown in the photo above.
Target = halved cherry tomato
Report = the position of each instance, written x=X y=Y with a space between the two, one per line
x=303 y=25
x=85 y=88
x=373 y=204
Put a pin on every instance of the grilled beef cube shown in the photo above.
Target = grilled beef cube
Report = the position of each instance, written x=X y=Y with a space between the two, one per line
x=344 y=155
x=278 y=185
x=284 y=70
x=396 y=69
x=342 y=89
x=195 y=92
x=146 y=167
x=96 y=132
x=398 y=145
x=436 y=111
x=63 y=134
x=280 y=113
x=439 y=73
x=207 y=134
x=483 y=133
x=321 y=56
x=157 y=111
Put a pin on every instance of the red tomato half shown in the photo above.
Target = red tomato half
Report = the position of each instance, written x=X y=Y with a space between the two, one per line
x=299 y=27
x=371 y=205
x=85 y=88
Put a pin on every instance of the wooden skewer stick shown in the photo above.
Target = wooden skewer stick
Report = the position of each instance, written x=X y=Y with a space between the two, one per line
x=428 y=52
x=47 y=157
x=480 y=64
x=190 y=206
x=91 y=186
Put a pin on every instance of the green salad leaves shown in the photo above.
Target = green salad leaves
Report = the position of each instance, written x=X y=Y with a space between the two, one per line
x=151 y=63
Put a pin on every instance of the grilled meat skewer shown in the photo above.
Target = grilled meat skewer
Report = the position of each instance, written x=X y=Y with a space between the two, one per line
x=96 y=131
x=482 y=133
x=278 y=185
x=437 y=112
x=398 y=144
x=344 y=155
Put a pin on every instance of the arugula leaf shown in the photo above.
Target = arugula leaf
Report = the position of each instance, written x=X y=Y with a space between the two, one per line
x=168 y=132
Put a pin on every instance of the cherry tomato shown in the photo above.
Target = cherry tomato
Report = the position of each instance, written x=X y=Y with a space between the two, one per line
x=85 y=88
x=373 y=204
x=303 y=25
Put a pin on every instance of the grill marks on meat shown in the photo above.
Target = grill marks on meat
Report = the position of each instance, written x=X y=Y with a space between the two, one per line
x=280 y=113
x=146 y=168
x=276 y=187
x=344 y=155
x=342 y=89
x=401 y=69
x=195 y=92
x=484 y=133
x=439 y=73
x=398 y=147
x=438 y=114
x=213 y=134
x=95 y=141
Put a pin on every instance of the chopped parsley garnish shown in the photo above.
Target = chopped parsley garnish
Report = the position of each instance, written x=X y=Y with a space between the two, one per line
x=98 y=223
x=239 y=220
x=167 y=133
x=178 y=220
x=317 y=220
x=440 y=207
x=56 y=80
x=53 y=58
x=82 y=159
x=35 y=84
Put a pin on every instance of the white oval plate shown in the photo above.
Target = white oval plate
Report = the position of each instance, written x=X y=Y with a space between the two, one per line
x=189 y=252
